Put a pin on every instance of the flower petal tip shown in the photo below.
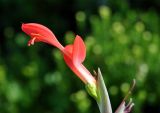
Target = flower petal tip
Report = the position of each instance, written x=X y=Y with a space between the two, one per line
x=40 y=33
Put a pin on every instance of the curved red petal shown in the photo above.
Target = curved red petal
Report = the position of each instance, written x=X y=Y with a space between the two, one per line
x=70 y=64
x=69 y=48
x=78 y=69
x=41 y=33
x=79 y=50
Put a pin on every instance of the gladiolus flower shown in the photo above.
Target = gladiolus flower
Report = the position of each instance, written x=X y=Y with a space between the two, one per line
x=74 y=55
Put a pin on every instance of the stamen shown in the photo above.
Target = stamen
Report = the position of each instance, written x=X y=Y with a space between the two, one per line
x=32 y=41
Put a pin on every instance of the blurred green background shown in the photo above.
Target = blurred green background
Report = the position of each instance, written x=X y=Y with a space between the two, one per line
x=122 y=38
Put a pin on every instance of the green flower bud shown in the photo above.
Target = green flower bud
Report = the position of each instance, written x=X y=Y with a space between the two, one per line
x=92 y=90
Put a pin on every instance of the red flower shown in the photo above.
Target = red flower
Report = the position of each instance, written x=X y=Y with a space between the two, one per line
x=40 y=33
x=75 y=58
x=74 y=55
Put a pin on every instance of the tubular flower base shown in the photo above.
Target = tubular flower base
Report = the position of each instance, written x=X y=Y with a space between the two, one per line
x=74 y=55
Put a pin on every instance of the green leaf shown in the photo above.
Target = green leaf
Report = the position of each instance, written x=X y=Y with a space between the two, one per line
x=103 y=97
